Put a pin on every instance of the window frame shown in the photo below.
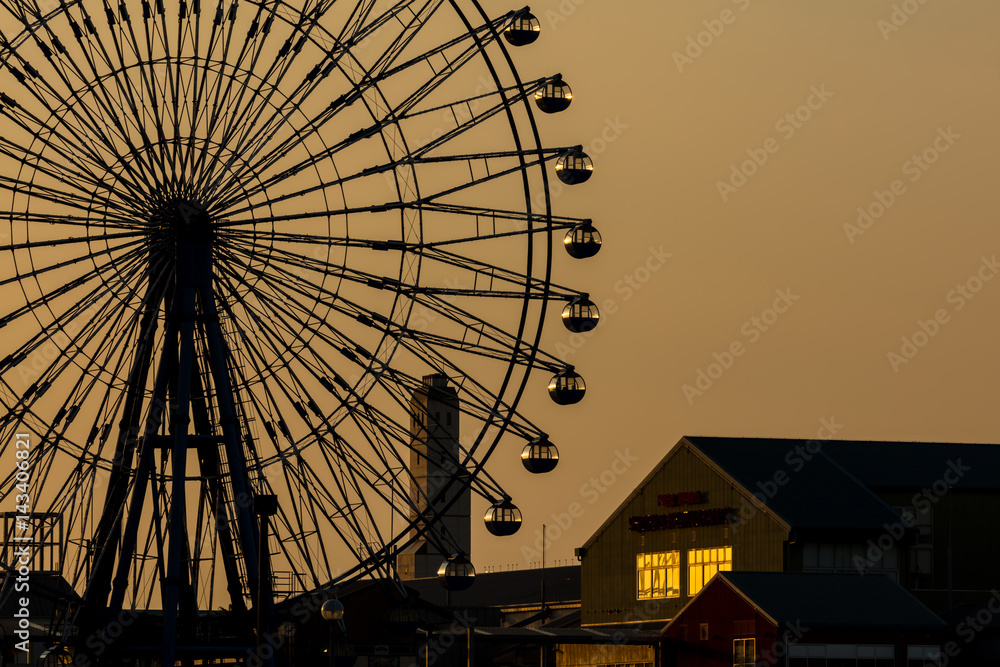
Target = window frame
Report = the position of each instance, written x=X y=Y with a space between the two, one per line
x=746 y=662
x=715 y=562
x=664 y=570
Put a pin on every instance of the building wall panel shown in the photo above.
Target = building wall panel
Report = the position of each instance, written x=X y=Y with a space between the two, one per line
x=609 y=569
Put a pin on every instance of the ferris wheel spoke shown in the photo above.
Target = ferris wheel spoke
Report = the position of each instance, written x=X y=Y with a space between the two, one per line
x=474 y=328
x=221 y=96
x=44 y=379
x=468 y=121
x=521 y=223
x=259 y=358
x=408 y=32
x=478 y=402
x=317 y=373
x=203 y=112
x=39 y=219
x=69 y=173
x=125 y=98
x=73 y=115
x=191 y=87
x=244 y=118
x=145 y=92
x=380 y=126
x=107 y=252
x=470 y=43
x=531 y=287
x=205 y=100
x=93 y=83
x=436 y=300
x=78 y=202
x=326 y=514
x=367 y=417
x=252 y=137
x=45 y=299
x=525 y=160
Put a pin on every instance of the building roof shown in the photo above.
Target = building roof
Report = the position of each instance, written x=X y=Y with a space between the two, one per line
x=817 y=491
x=835 y=488
x=914 y=465
x=881 y=464
x=831 y=600
x=507 y=589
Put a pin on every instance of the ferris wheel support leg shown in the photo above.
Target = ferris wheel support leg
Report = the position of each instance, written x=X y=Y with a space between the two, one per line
x=243 y=494
x=176 y=524
x=208 y=457
x=154 y=419
x=109 y=529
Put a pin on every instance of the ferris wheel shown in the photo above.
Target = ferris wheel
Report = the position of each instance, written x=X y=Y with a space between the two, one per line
x=238 y=237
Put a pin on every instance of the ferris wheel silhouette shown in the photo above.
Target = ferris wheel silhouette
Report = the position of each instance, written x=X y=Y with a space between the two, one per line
x=243 y=240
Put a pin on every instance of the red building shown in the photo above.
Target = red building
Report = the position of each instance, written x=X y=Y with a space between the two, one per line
x=799 y=619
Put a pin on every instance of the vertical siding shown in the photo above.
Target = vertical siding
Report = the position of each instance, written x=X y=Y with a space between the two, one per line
x=722 y=609
x=608 y=586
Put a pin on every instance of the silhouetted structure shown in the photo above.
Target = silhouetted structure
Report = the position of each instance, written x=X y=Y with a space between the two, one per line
x=438 y=485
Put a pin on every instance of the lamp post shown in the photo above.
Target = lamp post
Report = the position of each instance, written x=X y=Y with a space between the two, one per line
x=332 y=611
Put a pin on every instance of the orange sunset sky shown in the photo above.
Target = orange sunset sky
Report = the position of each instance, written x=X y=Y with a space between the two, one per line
x=692 y=89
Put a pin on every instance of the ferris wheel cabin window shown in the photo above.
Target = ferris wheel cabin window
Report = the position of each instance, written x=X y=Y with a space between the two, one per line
x=658 y=575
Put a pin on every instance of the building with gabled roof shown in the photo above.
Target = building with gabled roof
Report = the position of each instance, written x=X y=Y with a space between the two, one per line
x=792 y=618
x=778 y=505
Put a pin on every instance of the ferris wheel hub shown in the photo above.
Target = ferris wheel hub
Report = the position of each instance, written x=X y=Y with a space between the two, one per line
x=183 y=217
x=193 y=229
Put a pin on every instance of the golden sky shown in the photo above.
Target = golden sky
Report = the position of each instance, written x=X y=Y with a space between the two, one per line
x=695 y=88
x=796 y=200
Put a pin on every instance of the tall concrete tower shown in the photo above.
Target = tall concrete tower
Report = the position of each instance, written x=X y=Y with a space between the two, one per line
x=434 y=461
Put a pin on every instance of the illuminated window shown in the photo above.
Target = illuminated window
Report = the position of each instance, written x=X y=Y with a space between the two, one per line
x=744 y=652
x=658 y=575
x=704 y=563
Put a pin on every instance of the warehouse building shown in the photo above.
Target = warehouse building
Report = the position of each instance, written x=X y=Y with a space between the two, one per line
x=921 y=514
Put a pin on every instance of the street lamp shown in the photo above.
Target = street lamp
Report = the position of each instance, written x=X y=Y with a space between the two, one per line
x=332 y=611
